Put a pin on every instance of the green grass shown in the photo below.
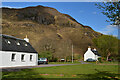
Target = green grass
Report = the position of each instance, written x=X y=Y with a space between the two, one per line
x=106 y=62
x=86 y=71
x=76 y=62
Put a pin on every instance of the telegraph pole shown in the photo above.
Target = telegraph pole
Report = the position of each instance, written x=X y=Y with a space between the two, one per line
x=72 y=53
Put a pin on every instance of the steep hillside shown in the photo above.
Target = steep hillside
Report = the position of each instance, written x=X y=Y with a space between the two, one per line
x=48 y=30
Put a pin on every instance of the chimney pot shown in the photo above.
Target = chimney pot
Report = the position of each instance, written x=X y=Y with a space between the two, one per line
x=94 y=49
x=89 y=48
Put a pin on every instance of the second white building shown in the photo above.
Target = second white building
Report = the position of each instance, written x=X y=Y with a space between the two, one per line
x=91 y=54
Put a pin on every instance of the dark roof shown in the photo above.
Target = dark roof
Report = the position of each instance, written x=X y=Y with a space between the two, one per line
x=96 y=52
x=10 y=43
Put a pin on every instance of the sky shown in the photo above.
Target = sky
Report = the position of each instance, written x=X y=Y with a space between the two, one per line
x=85 y=13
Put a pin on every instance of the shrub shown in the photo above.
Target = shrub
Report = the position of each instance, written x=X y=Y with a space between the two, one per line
x=55 y=59
x=100 y=60
x=46 y=54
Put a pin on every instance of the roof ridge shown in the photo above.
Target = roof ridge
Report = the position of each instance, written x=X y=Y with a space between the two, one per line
x=12 y=37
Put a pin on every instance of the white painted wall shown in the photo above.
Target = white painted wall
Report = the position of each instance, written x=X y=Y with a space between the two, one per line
x=89 y=54
x=0 y=59
x=6 y=59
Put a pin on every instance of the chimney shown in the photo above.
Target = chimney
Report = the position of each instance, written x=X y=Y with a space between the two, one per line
x=89 y=48
x=94 y=49
x=26 y=39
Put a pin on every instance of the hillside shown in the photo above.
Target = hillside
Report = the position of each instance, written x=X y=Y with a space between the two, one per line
x=48 y=30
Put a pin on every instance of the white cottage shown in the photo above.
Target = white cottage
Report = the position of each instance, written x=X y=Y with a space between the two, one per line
x=91 y=53
x=16 y=52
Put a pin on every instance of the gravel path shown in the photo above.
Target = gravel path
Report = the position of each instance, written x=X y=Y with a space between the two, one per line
x=28 y=67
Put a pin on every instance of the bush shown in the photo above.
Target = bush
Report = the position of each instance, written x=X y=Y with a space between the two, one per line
x=68 y=58
x=46 y=54
x=55 y=59
x=100 y=60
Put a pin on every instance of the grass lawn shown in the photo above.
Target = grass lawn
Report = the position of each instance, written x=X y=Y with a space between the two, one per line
x=106 y=62
x=84 y=71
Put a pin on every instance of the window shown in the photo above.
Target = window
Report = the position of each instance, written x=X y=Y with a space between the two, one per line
x=13 y=57
x=18 y=43
x=31 y=57
x=25 y=44
x=22 y=57
x=7 y=41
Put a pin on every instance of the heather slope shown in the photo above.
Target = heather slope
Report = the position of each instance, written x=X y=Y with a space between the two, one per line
x=48 y=30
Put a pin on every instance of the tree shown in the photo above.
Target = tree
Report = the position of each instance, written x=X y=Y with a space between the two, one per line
x=107 y=45
x=111 y=10
x=46 y=54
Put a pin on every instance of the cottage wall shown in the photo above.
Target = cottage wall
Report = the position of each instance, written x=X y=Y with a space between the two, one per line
x=7 y=59
x=89 y=54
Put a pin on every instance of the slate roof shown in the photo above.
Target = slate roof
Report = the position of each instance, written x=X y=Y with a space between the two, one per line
x=10 y=43
x=96 y=52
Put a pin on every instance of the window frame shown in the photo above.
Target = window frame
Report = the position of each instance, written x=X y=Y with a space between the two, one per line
x=17 y=43
x=23 y=56
x=13 y=57
x=31 y=57
x=8 y=41
x=25 y=44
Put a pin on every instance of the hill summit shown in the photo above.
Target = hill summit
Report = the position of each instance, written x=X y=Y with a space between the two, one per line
x=48 y=30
